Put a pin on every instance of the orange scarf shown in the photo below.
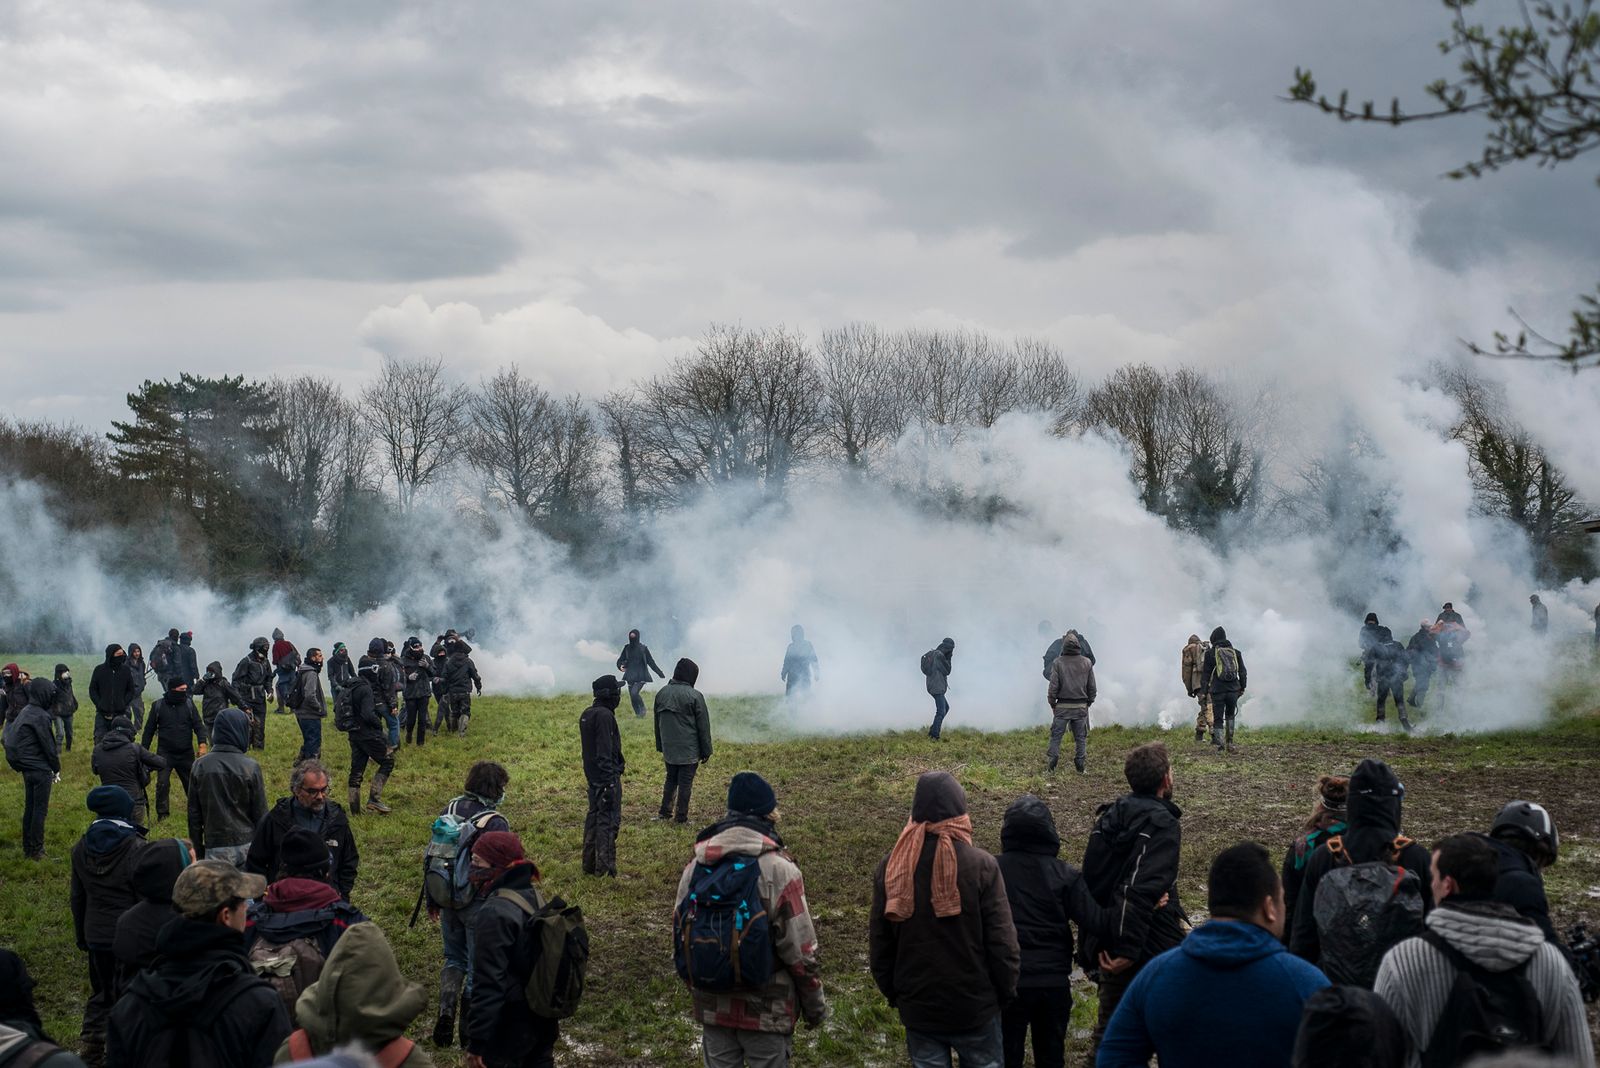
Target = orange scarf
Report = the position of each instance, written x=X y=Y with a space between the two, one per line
x=899 y=875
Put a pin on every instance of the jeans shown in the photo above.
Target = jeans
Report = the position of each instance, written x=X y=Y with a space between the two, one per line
x=414 y=721
x=441 y=709
x=680 y=778
x=455 y=925
x=636 y=697
x=736 y=1047
x=1047 y=1010
x=941 y=709
x=310 y=737
x=1076 y=719
x=136 y=712
x=36 y=802
x=233 y=854
x=600 y=828
x=176 y=762
x=977 y=1049
x=391 y=726
x=61 y=727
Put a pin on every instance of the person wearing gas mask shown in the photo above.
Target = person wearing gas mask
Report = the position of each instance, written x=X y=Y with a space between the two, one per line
x=252 y=677
x=416 y=672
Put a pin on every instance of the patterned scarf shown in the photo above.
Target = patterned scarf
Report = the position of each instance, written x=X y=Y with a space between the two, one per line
x=899 y=876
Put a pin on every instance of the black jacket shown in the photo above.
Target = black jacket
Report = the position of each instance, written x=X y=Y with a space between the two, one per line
x=1130 y=862
x=1056 y=646
x=1521 y=886
x=1423 y=651
x=1373 y=818
x=380 y=688
x=204 y=981
x=177 y=725
x=416 y=672
x=341 y=672
x=364 y=710
x=30 y=745
x=102 y=880
x=155 y=869
x=1211 y=679
x=217 y=693
x=1391 y=664
x=66 y=702
x=226 y=795
x=1045 y=892
x=501 y=1026
x=120 y=761
x=252 y=677
x=460 y=673
x=186 y=663
x=111 y=688
x=602 y=744
x=636 y=663
x=1368 y=640
x=333 y=829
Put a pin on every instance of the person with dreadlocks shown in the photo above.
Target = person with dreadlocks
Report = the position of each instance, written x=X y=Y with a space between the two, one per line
x=941 y=942
x=1327 y=819
x=501 y=1028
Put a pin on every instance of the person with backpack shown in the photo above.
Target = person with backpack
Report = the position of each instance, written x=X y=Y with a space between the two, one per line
x=1481 y=979
x=202 y=1003
x=683 y=737
x=285 y=659
x=1223 y=675
x=31 y=752
x=750 y=988
x=252 y=678
x=173 y=722
x=23 y=1041
x=440 y=652
x=368 y=743
x=155 y=871
x=63 y=708
x=1525 y=842
x=1367 y=640
x=139 y=673
x=1131 y=867
x=120 y=761
x=460 y=680
x=603 y=764
x=1237 y=958
x=310 y=708
x=163 y=658
x=1380 y=889
x=1070 y=694
x=308 y=807
x=504 y=1028
x=416 y=672
x=1422 y=653
x=1327 y=819
x=636 y=663
x=227 y=798
x=14 y=688
x=1192 y=666
x=359 y=999
x=1389 y=674
x=940 y=939
x=453 y=899
x=1046 y=895
x=292 y=929
x=936 y=666
x=110 y=689
x=102 y=890
x=217 y=693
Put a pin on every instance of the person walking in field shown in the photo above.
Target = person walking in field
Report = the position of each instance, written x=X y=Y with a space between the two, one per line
x=683 y=737
x=1192 y=666
x=636 y=663
x=31 y=752
x=1223 y=673
x=936 y=666
x=174 y=721
x=252 y=678
x=799 y=664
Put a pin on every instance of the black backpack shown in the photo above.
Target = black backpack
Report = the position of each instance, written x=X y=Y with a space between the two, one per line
x=187 y=1043
x=344 y=716
x=721 y=934
x=927 y=662
x=1486 y=1012
x=161 y=659
x=1364 y=910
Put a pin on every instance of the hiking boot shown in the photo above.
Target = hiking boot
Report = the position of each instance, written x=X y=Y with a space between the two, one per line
x=354 y=801
x=461 y=725
x=1080 y=767
x=375 y=798
x=461 y=1019
x=659 y=816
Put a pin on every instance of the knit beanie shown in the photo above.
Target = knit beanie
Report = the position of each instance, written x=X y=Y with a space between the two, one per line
x=750 y=794
x=111 y=803
x=304 y=853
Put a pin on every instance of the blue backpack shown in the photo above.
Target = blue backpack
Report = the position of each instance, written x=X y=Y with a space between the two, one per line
x=721 y=937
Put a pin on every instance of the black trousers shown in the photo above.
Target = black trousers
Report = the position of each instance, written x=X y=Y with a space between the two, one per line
x=1224 y=707
x=35 y=804
x=258 y=723
x=103 y=994
x=369 y=747
x=680 y=779
x=1046 y=1010
x=600 y=828
x=176 y=762
x=414 y=719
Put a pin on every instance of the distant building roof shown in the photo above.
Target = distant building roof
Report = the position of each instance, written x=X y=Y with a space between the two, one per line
x=1591 y=526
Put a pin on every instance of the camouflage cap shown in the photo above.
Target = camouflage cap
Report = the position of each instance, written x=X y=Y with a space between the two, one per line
x=207 y=885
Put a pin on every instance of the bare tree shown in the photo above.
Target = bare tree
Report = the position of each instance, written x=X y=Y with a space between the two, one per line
x=942 y=373
x=419 y=419
x=1136 y=403
x=510 y=416
x=861 y=409
x=318 y=452
x=1045 y=383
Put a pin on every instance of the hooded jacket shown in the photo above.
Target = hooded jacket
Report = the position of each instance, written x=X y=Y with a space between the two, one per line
x=416 y=671
x=120 y=761
x=1234 y=963
x=1044 y=892
x=1423 y=652
x=203 y=981
x=795 y=988
x=945 y=974
x=601 y=742
x=1373 y=818
x=176 y=723
x=155 y=869
x=185 y=661
x=301 y=908
x=1415 y=977
x=939 y=664
x=683 y=723
x=217 y=693
x=1368 y=640
x=252 y=678
x=332 y=826
x=799 y=660
x=1193 y=665
x=306 y=693
x=102 y=880
x=1521 y=885
x=30 y=743
x=226 y=795
x=501 y=1028
x=1211 y=679
x=460 y=673
x=636 y=663
x=1054 y=651
x=1130 y=862
x=111 y=688
x=364 y=708
x=361 y=997
x=1071 y=680
x=341 y=672
x=66 y=702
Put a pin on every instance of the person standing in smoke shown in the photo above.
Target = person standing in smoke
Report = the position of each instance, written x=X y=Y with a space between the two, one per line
x=1541 y=616
x=1423 y=652
x=217 y=693
x=936 y=673
x=164 y=658
x=368 y=744
x=252 y=677
x=110 y=689
x=683 y=736
x=341 y=671
x=799 y=664
x=416 y=671
x=185 y=661
x=64 y=708
x=1223 y=674
x=460 y=680
x=636 y=663
x=603 y=764
x=1368 y=641
x=139 y=672
x=1070 y=694
x=1448 y=614
x=1389 y=671
x=1054 y=651
x=441 y=697
x=285 y=659
x=1193 y=669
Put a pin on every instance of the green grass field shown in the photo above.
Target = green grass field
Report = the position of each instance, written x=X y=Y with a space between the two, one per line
x=843 y=801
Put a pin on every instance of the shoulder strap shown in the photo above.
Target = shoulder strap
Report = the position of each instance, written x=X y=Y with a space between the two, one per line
x=1337 y=850
x=37 y=1051
x=1397 y=847
x=395 y=1053
x=520 y=901
x=300 y=1046
x=1458 y=960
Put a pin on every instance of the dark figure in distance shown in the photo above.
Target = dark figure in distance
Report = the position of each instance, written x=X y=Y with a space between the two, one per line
x=174 y=721
x=1389 y=672
x=1423 y=652
x=63 y=708
x=252 y=677
x=368 y=742
x=139 y=672
x=119 y=760
x=1541 y=615
x=31 y=752
x=936 y=666
x=799 y=663
x=1224 y=674
x=636 y=663
x=416 y=673
x=1054 y=649
x=110 y=689
x=1448 y=614
x=217 y=693
x=1070 y=695
x=1367 y=640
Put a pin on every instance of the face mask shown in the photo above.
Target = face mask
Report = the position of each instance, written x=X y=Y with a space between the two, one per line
x=480 y=876
x=66 y=676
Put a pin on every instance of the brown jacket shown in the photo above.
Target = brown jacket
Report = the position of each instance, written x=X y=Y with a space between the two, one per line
x=1071 y=680
x=1194 y=655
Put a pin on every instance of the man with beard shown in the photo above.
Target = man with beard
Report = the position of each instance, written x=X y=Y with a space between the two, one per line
x=636 y=663
x=110 y=689
x=174 y=720
x=252 y=677
x=307 y=807
x=603 y=765
x=307 y=703
x=368 y=744
x=416 y=674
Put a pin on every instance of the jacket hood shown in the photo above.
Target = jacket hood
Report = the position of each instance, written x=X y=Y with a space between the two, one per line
x=948 y=645
x=1218 y=635
x=740 y=838
x=214 y=668
x=1134 y=814
x=1070 y=646
x=157 y=868
x=1374 y=797
x=300 y=895
x=198 y=957
x=111 y=650
x=232 y=728
x=686 y=671
x=108 y=840
x=1346 y=1026
x=1194 y=639
x=118 y=737
x=61 y=669
x=797 y=633
x=1230 y=943
x=1487 y=933
x=1029 y=827
x=41 y=692
x=939 y=797
x=461 y=649
x=277 y=634
x=186 y=638
x=361 y=995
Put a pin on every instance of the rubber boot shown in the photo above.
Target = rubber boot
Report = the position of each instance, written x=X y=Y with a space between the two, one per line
x=375 y=797
x=450 y=981
x=354 y=801
x=461 y=725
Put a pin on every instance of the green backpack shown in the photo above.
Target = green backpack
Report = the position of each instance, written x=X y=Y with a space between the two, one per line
x=561 y=955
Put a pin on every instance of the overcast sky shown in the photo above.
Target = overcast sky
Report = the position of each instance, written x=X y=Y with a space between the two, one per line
x=580 y=188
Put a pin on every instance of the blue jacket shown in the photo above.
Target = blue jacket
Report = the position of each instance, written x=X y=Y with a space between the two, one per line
x=1235 y=964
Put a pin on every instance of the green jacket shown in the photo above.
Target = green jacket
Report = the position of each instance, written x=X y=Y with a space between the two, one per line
x=683 y=725
x=360 y=997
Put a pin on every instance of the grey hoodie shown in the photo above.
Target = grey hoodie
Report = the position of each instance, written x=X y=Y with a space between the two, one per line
x=1071 y=680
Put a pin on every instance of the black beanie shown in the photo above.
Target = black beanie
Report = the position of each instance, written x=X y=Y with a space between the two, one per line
x=304 y=853
x=687 y=671
x=605 y=686
x=750 y=794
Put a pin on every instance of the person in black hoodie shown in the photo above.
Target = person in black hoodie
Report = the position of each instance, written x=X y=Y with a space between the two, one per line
x=121 y=761
x=174 y=720
x=341 y=672
x=31 y=752
x=139 y=672
x=310 y=808
x=416 y=671
x=1225 y=686
x=1045 y=893
x=460 y=679
x=1367 y=641
x=1131 y=868
x=102 y=890
x=111 y=689
x=155 y=870
x=22 y=1036
x=501 y=1030
x=602 y=766
x=63 y=708
x=1422 y=653
x=368 y=743
x=1349 y=1027
x=636 y=663
x=252 y=677
x=1389 y=674
x=201 y=1003
x=217 y=693
x=1373 y=817
x=185 y=661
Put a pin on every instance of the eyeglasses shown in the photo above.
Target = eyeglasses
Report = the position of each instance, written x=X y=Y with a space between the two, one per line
x=312 y=791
